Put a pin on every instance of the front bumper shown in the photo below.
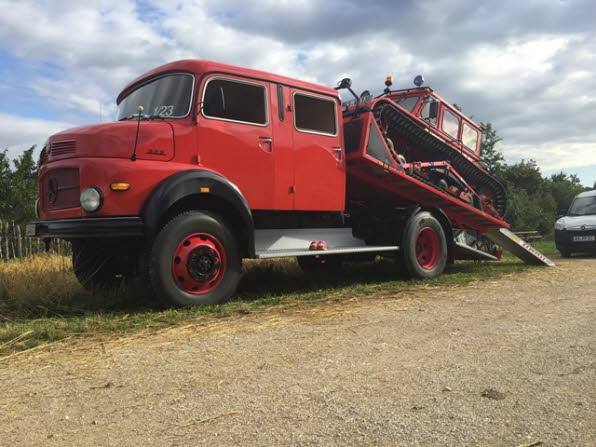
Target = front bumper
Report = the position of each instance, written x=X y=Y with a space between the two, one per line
x=91 y=227
x=564 y=240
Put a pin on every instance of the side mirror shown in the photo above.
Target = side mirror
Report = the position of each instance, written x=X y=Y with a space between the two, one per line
x=433 y=110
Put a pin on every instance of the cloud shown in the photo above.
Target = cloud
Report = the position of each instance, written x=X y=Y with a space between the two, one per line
x=524 y=66
x=18 y=133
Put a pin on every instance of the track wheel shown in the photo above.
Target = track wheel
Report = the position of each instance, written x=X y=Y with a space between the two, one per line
x=424 y=247
x=194 y=260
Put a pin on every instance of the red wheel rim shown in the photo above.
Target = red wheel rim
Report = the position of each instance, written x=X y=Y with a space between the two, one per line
x=199 y=263
x=428 y=248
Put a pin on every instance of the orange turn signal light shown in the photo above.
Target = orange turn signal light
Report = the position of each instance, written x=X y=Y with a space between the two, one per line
x=120 y=186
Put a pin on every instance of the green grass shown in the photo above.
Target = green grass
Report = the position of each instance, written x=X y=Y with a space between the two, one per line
x=41 y=302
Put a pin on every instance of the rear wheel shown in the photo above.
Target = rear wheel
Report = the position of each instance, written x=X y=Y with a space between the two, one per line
x=194 y=260
x=424 y=247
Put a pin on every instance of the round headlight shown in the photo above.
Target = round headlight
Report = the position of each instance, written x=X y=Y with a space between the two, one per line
x=91 y=199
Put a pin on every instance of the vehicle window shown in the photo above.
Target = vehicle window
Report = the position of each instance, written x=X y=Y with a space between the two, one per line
x=582 y=206
x=450 y=123
x=425 y=114
x=407 y=103
x=469 y=136
x=167 y=96
x=314 y=114
x=232 y=100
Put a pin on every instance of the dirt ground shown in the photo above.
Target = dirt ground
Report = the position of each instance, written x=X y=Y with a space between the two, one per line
x=495 y=363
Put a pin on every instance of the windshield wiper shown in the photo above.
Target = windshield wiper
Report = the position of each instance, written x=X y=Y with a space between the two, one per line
x=135 y=116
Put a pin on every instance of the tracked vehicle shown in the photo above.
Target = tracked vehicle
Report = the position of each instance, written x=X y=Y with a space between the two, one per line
x=209 y=164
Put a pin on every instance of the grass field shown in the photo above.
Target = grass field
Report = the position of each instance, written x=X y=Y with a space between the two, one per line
x=41 y=301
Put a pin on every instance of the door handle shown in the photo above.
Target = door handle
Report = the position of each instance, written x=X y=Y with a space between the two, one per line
x=338 y=153
x=265 y=143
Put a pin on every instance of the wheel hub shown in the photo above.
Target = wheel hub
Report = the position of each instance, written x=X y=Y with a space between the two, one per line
x=428 y=248
x=203 y=263
x=198 y=263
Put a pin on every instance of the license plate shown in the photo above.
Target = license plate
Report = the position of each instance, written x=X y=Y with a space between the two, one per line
x=30 y=230
x=584 y=238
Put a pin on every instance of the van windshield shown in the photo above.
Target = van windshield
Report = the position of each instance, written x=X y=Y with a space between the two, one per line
x=167 y=97
x=582 y=206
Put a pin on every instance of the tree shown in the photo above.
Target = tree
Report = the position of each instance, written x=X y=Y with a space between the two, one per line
x=18 y=187
x=491 y=156
x=563 y=189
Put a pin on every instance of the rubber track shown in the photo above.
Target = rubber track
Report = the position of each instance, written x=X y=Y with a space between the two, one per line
x=403 y=125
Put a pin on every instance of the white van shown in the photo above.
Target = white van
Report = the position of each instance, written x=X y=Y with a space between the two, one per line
x=576 y=231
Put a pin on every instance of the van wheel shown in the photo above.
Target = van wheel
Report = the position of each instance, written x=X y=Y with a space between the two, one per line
x=424 y=247
x=194 y=260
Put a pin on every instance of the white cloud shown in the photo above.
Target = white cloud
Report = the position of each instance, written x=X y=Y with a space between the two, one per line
x=18 y=133
x=525 y=67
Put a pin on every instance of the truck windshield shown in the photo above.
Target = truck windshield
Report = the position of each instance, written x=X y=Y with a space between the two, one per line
x=167 y=96
x=407 y=103
x=582 y=206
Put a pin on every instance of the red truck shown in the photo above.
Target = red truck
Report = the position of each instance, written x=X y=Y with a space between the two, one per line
x=210 y=163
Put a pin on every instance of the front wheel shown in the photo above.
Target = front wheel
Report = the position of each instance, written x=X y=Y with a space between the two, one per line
x=424 y=247
x=194 y=260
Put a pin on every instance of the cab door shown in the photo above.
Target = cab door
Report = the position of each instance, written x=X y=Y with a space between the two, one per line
x=235 y=137
x=319 y=157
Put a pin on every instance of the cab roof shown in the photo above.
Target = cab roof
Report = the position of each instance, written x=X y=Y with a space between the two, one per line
x=200 y=67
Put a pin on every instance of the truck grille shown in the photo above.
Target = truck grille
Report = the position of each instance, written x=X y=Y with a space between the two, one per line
x=62 y=148
x=60 y=189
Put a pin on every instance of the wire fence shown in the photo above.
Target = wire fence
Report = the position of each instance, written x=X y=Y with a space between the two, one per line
x=14 y=243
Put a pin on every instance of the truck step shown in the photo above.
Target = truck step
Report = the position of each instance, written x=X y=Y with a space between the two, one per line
x=271 y=243
x=518 y=247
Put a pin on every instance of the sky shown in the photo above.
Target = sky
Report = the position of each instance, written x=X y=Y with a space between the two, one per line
x=524 y=66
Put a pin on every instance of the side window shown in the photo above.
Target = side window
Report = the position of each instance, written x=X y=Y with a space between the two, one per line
x=425 y=113
x=233 y=100
x=450 y=123
x=315 y=115
x=469 y=136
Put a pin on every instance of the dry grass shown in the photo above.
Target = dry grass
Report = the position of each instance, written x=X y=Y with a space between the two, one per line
x=41 y=301
x=36 y=281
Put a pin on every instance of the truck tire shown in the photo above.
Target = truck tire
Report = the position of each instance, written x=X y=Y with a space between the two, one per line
x=194 y=260
x=97 y=265
x=424 y=247
x=320 y=265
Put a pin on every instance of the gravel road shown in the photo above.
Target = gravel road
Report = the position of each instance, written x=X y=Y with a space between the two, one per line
x=494 y=363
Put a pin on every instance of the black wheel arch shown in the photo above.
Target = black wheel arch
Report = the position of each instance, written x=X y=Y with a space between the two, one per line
x=201 y=189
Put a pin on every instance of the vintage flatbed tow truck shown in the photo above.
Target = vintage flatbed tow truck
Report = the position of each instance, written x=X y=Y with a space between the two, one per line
x=211 y=163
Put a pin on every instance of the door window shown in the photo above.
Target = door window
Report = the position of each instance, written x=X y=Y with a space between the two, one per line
x=313 y=114
x=233 y=100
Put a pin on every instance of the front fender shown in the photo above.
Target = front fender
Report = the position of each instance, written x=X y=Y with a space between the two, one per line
x=207 y=187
